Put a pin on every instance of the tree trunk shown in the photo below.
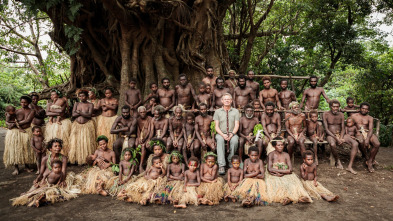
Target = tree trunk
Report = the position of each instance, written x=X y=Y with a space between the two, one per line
x=146 y=39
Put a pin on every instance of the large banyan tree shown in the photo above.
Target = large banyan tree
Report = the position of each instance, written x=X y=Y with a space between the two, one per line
x=111 y=41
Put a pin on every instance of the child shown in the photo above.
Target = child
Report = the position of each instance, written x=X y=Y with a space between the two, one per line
x=203 y=97
x=211 y=189
x=48 y=190
x=126 y=170
x=189 y=136
x=257 y=109
x=153 y=93
x=133 y=97
x=38 y=145
x=235 y=176
x=315 y=132
x=175 y=176
x=252 y=190
x=96 y=177
x=283 y=186
x=191 y=182
x=145 y=189
x=150 y=106
x=10 y=118
x=308 y=171
x=208 y=89
x=352 y=137
x=350 y=106
x=63 y=100
x=55 y=176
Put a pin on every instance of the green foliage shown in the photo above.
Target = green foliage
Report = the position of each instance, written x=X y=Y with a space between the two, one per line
x=257 y=128
x=71 y=7
x=213 y=128
x=374 y=84
x=12 y=85
x=385 y=135
x=73 y=34
x=27 y=48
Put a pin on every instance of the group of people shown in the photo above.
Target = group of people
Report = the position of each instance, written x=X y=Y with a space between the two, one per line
x=192 y=133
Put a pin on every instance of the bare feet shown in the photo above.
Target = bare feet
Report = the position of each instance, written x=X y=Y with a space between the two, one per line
x=103 y=193
x=143 y=202
x=157 y=201
x=339 y=165
x=29 y=170
x=304 y=199
x=248 y=202
x=16 y=172
x=202 y=201
x=183 y=206
x=128 y=199
x=38 y=172
x=331 y=198
x=210 y=203
x=226 y=198
x=370 y=167
x=351 y=170
x=286 y=201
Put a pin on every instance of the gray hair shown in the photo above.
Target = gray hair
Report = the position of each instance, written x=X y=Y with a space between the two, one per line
x=141 y=108
x=226 y=94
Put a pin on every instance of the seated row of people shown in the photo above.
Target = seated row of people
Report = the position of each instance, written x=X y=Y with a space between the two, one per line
x=166 y=179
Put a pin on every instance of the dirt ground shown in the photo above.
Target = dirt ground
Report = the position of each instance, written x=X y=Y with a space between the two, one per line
x=363 y=197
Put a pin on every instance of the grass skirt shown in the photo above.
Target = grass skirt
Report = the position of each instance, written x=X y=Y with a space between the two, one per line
x=172 y=192
x=316 y=191
x=189 y=197
x=17 y=148
x=212 y=191
x=114 y=188
x=47 y=193
x=82 y=142
x=93 y=177
x=287 y=186
x=104 y=125
x=254 y=188
x=62 y=131
x=144 y=189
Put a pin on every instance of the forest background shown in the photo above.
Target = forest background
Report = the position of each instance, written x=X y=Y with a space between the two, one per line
x=68 y=44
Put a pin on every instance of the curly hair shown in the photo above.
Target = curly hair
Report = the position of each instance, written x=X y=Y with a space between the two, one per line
x=52 y=141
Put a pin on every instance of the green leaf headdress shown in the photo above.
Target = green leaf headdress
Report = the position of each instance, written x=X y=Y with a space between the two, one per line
x=176 y=154
x=94 y=91
x=157 y=142
x=102 y=137
x=133 y=159
x=209 y=154
x=57 y=92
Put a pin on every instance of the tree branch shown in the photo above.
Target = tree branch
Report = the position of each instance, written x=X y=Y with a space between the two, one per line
x=17 y=52
x=260 y=34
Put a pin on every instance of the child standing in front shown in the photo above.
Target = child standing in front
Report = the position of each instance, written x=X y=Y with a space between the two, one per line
x=235 y=176
x=37 y=143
